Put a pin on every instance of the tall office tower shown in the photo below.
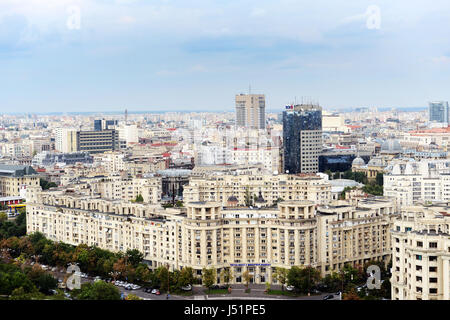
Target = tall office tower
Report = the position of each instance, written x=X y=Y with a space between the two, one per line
x=66 y=140
x=438 y=111
x=98 y=141
x=103 y=124
x=302 y=138
x=251 y=111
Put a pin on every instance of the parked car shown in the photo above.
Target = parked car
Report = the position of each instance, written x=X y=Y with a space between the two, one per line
x=147 y=289
x=290 y=288
x=156 y=291
x=328 y=297
x=186 y=288
x=128 y=287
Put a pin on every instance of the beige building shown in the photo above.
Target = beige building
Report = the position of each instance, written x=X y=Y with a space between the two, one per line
x=206 y=234
x=13 y=178
x=421 y=253
x=251 y=111
x=247 y=187
x=355 y=234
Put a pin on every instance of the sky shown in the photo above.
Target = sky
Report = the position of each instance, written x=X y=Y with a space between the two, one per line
x=144 y=55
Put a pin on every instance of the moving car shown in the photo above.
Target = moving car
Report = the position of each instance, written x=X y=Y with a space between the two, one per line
x=328 y=297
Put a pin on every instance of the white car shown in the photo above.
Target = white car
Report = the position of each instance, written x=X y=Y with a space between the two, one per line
x=290 y=288
x=187 y=288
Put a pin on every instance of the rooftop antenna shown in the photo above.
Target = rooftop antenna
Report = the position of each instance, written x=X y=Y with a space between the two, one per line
x=126 y=116
x=249 y=89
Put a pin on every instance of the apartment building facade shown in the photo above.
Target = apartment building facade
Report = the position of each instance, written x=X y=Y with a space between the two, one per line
x=246 y=187
x=421 y=253
x=203 y=234
x=411 y=182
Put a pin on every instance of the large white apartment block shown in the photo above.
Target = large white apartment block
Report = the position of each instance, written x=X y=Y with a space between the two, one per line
x=207 y=234
x=410 y=181
x=273 y=188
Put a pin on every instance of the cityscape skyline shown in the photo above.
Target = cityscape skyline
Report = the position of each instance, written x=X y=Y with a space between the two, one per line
x=168 y=53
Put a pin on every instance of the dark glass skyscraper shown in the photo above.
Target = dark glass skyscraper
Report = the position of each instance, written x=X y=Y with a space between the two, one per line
x=103 y=124
x=439 y=111
x=302 y=138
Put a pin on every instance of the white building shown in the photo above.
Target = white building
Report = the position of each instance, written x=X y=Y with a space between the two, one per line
x=418 y=181
x=66 y=140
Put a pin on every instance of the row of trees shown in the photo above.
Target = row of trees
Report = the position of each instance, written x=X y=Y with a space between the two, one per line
x=127 y=266
x=307 y=279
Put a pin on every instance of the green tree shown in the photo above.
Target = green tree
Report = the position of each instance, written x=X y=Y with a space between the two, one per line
x=226 y=274
x=21 y=294
x=46 y=282
x=143 y=272
x=281 y=276
x=134 y=257
x=303 y=279
x=3 y=217
x=45 y=185
x=179 y=203
x=332 y=282
x=379 y=179
x=209 y=277
x=247 y=277
x=139 y=198
x=186 y=277
x=248 y=198
x=373 y=189
x=98 y=290
x=163 y=276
